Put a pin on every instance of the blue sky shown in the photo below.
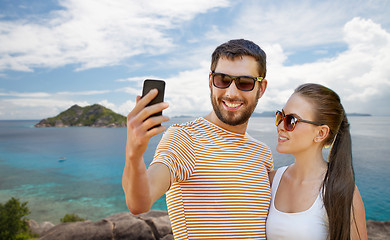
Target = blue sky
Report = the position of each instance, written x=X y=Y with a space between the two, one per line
x=54 y=54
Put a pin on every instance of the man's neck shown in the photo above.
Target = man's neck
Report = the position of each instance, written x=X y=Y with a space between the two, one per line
x=241 y=129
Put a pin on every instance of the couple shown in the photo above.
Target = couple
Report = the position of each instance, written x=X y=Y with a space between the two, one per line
x=217 y=178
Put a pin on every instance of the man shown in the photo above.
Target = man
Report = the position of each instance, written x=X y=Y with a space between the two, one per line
x=214 y=173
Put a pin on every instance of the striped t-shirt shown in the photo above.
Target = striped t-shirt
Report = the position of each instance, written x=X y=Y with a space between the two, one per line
x=219 y=182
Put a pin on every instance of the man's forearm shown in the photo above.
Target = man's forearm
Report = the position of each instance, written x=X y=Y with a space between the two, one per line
x=135 y=184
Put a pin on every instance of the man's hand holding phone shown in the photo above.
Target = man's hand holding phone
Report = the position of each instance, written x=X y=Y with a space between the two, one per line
x=149 y=85
x=144 y=121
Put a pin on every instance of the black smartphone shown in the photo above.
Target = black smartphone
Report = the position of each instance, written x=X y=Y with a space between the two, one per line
x=150 y=84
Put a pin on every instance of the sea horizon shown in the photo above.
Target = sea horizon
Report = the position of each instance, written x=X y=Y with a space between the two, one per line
x=264 y=114
x=78 y=169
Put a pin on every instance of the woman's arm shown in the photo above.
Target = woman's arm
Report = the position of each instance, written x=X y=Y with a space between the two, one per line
x=358 y=223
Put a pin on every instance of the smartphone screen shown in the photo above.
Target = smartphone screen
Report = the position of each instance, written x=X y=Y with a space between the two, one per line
x=150 y=84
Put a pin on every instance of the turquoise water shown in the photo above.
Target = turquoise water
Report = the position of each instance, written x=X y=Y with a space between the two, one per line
x=79 y=170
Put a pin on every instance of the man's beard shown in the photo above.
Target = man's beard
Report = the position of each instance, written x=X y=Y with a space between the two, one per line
x=233 y=118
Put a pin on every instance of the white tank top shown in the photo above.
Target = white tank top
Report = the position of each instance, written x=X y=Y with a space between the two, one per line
x=311 y=224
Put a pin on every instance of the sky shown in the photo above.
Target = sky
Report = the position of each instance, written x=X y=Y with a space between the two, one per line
x=57 y=53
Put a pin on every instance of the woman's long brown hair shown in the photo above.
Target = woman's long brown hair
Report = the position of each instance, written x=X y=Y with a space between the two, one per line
x=339 y=181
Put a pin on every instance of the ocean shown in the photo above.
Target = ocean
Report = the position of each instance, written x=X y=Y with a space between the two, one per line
x=79 y=169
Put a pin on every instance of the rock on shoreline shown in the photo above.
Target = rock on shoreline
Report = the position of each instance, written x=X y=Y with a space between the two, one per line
x=378 y=230
x=151 y=225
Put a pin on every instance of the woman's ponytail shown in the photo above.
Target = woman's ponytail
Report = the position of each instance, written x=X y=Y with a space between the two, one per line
x=339 y=181
x=339 y=184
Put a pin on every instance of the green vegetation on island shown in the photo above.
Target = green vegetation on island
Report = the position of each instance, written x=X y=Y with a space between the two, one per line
x=72 y=218
x=91 y=116
x=13 y=224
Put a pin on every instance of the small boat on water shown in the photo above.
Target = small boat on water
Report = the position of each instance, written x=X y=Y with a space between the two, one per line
x=62 y=159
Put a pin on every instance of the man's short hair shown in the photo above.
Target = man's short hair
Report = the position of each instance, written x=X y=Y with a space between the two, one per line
x=239 y=48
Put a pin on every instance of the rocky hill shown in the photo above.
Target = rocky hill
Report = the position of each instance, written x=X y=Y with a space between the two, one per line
x=91 y=116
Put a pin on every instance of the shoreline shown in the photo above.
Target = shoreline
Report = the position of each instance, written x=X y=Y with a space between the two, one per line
x=52 y=210
x=376 y=230
x=371 y=221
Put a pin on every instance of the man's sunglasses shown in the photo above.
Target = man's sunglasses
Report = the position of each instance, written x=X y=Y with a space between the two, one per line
x=243 y=83
x=290 y=121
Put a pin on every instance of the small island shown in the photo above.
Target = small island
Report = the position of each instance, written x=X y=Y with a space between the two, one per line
x=89 y=116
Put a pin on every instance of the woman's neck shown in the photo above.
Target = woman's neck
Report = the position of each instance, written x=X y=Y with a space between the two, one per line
x=309 y=166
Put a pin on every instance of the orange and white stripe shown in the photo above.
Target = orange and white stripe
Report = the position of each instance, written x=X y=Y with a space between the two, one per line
x=220 y=187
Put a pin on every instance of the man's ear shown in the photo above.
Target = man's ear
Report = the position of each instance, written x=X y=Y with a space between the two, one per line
x=263 y=87
x=322 y=133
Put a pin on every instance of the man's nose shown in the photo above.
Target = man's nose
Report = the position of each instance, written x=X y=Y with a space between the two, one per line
x=232 y=90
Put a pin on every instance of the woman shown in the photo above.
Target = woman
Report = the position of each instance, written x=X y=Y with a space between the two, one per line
x=313 y=198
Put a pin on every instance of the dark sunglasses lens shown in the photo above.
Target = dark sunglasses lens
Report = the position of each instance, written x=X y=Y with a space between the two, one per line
x=245 y=83
x=289 y=122
x=221 y=80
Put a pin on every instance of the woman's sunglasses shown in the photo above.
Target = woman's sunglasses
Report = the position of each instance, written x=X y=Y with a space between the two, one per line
x=243 y=83
x=290 y=121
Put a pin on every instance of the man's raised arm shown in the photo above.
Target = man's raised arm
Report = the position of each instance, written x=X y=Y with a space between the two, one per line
x=143 y=186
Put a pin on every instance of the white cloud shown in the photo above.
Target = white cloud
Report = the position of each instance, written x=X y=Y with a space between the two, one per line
x=358 y=74
x=288 y=23
x=92 y=92
x=107 y=104
x=24 y=95
x=95 y=33
x=123 y=109
x=297 y=24
x=54 y=95
x=38 y=105
x=34 y=108
x=130 y=90
x=135 y=79
x=188 y=92
x=92 y=34
x=126 y=107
